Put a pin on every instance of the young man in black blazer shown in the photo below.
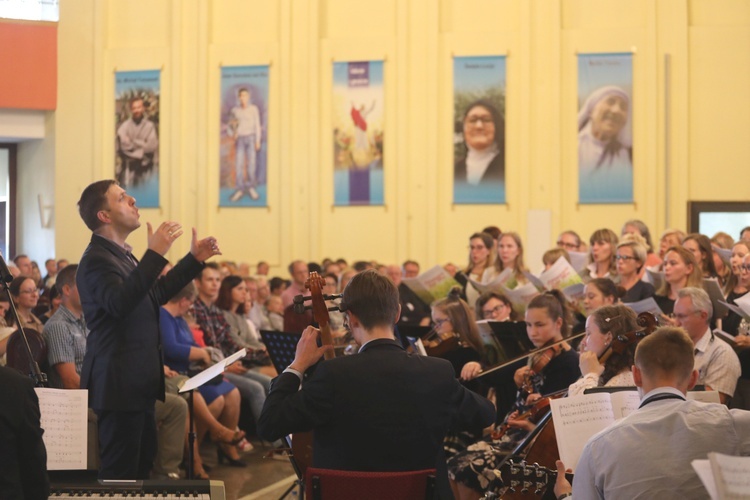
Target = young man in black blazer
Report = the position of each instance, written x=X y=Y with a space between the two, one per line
x=121 y=296
x=379 y=410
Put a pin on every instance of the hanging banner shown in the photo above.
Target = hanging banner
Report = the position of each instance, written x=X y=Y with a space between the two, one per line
x=137 y=134
x=243 y=151
x=605 y=128
x=358 y=121
x=479 y=129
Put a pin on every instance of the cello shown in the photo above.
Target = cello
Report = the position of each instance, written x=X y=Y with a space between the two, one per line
x=302 y=450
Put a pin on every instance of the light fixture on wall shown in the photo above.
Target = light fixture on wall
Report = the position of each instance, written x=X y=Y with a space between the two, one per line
x=45 y=212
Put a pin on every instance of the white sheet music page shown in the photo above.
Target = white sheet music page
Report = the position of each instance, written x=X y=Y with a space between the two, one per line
x=732 y=476
x=576 y=419
x=64 y=420
x=212 y=371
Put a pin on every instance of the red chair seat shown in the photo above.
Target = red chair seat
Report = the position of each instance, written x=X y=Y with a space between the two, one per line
x=327 y=484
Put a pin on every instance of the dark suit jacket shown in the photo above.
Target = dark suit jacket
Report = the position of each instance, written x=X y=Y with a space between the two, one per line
x=122 y=368
x=379 y=410
x=23 y=458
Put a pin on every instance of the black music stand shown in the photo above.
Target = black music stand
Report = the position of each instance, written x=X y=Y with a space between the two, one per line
x=281 y=348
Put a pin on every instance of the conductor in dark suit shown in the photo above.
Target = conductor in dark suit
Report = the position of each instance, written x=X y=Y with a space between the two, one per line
x=379 y=410
x=23 y=457
x=120 y=297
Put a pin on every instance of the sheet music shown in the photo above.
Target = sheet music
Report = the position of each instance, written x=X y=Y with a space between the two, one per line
x=712 y=288
x=732 y=475
x=656 y=278
x=735 y=309
x=560 y=275
x=212 y=371
x=624 y=403
x=578 y=260
x=704 y=396
x=744 y=303
x=645 y=305
x=703 y=469
x=64 y=420
x=578 y=418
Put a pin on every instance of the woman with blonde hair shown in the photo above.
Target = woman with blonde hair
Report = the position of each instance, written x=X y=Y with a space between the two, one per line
x=722 y=241
x=680 y=271
x=638 y=227
x=601 y=255
x=670 y=238
x=736 y=284
x=510 y=256
x=631 y=258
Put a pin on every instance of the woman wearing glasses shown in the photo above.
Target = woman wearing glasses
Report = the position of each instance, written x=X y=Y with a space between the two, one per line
x=495 y=306
x=26 y=296
x=479 y=268
x=484 y=137
x=741 y=397
x=630 y=258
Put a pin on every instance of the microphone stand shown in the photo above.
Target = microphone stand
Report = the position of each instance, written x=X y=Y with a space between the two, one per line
x=36 y=374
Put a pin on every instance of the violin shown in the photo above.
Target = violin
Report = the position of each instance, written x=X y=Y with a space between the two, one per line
x=646 y=321
x=438 y=345
x=538 y=362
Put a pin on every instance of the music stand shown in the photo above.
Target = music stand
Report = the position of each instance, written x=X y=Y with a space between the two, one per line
x=191 y=384
x=281 y=348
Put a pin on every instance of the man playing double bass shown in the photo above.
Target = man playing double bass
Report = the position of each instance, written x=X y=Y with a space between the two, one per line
x=379 y=410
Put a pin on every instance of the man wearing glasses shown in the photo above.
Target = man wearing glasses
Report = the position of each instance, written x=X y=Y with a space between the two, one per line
x=717 y=364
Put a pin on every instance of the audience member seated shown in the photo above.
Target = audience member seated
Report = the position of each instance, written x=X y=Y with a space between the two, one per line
x=648 y=454
x=54 y=302
x=23 y=263
x=411 y=269
x=220 y=400
x=277 y=286
x=631 y=258
x=275 y=309
x=25 y=295
x=680 y=270
x=601 y=256
x=258 y=313
x=299 y=272
x=717 y=364
x=218 y=333
x=602 y=328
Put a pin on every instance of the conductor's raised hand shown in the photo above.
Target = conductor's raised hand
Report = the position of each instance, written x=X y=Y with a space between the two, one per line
x=203 y=249
x=308 y=353
x=161 y=240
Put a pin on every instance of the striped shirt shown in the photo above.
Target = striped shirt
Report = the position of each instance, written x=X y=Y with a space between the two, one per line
x=66 y=338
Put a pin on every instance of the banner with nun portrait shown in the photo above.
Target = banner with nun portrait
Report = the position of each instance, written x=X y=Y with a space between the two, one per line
x=479 y=129
x=605 y=128
x=137 y=134
x=358 y=120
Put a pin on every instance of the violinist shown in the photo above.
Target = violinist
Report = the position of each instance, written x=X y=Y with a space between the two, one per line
x=380 y=409
x=547 y=321
x=495 y=306
x=454 y=322
x=600 y=365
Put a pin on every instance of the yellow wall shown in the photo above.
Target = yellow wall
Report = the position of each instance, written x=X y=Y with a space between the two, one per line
x=690 y=103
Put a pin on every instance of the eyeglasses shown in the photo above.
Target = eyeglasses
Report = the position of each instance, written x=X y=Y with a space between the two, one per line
x=624 y=257
x=744 y=268
x=439 y=322
x=494 y=311
x=683 y=317
x=30 y=292
x=563 y=244
x=486 y=120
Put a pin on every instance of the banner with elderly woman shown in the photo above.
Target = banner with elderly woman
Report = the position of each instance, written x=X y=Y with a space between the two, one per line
x=605 y=128
x=358 y=121
x=479 y=129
